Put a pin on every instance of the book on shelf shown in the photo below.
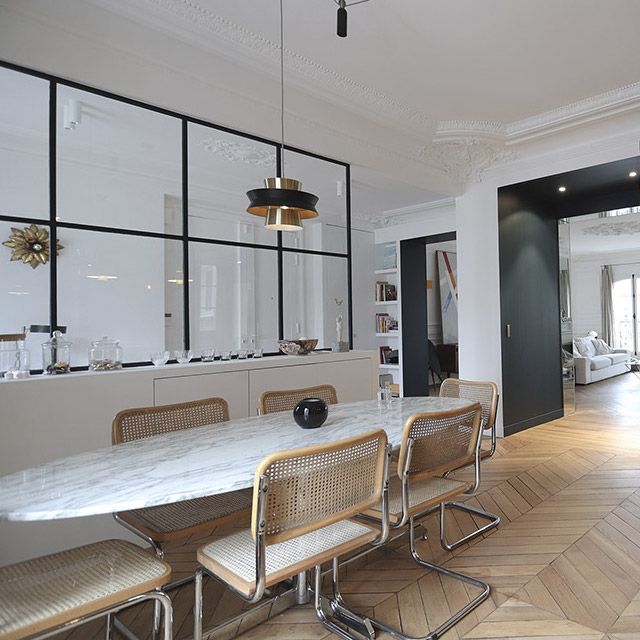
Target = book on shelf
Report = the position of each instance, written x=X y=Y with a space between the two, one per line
x=386 y=292
x=385 y=323
x=388 y=355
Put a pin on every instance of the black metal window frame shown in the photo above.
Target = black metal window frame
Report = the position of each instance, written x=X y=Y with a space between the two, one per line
x=53 y=224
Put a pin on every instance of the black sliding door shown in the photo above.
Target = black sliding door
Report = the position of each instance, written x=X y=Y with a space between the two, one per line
x=530 y=312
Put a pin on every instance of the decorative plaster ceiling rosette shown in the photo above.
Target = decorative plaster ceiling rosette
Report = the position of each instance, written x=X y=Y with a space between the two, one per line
x=240 y=152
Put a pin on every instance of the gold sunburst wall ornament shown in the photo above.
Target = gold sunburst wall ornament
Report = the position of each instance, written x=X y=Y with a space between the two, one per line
x=30 y=245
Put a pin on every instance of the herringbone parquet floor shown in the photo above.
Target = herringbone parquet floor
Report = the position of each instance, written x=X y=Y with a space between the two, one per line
x=564 y=563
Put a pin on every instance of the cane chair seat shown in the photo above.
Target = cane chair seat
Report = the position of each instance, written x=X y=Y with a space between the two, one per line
x=423 y=495
x=40 y=594
x=233 y=557
x=274 y=401
x=177 y=520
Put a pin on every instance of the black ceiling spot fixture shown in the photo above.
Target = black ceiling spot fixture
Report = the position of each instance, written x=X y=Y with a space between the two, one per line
x=342 y=15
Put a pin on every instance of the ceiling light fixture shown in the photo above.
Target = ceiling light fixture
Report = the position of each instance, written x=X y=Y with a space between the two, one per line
x=562 y=189
x=633 y=174
x=341 y=29
x=282 y=203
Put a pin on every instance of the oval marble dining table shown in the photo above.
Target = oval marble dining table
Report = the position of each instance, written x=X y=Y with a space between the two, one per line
x=188 y=464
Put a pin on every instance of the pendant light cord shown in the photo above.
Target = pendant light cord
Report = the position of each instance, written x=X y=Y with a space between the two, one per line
x=282 y=172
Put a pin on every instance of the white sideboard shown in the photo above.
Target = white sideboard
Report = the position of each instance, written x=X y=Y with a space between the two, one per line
x=47 y=417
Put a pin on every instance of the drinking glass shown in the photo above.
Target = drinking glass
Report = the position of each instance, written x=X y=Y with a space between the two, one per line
x=208 y=355
x=257 y=353
x=159 y=358
x=183 y=357
x=226 y=355
x=242 y=354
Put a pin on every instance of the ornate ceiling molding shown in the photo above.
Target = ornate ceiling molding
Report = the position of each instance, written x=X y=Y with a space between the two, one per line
x=601 y=106
x=266 y=53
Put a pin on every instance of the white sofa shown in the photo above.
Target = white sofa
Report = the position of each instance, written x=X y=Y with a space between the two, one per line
x=594 y=360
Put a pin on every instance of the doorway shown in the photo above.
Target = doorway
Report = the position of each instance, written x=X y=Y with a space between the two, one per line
x=422 y=316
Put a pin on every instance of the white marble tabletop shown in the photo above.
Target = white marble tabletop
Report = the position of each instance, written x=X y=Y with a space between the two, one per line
x=187 y=464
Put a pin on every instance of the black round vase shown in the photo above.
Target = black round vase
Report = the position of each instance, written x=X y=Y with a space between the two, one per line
x=310 y=413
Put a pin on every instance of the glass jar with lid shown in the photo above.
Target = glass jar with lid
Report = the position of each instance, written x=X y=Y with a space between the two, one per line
x=105 y=355
x=15 y=359
x=56 y=355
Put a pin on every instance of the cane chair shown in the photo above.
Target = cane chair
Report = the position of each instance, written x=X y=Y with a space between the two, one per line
x=304 y=505
x=485 y=393
x=273 y=401
x=43 y=597
x=432 y=444
x=158 y=525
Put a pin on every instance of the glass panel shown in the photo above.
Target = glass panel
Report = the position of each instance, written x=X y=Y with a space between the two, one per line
x=233 y=297
x=118 y=165
x=24 y=145
x=315 y=295
x=125 y=287
x=327 y=232
x=222 y=168
x=623 y=314
x=24 y=294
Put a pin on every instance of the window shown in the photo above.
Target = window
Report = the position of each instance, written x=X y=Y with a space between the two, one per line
x=140 y=264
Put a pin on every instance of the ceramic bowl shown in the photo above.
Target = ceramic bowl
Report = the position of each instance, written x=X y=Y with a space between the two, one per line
x=298 y=347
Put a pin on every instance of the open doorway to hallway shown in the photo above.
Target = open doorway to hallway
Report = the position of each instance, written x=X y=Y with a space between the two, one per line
x=603 y=307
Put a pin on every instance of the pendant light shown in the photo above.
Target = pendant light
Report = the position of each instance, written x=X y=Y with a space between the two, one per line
x=282 y=203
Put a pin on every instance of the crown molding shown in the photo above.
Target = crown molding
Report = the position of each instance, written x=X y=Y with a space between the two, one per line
x=599 y=107
x=403 y=215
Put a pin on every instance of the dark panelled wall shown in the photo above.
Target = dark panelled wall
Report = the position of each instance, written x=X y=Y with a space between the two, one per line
x=531 y=367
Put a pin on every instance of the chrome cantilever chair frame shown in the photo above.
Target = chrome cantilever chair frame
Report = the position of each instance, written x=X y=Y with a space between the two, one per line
x=410 y=520
x=340 y=613
x=159 y=597
x=489 y=416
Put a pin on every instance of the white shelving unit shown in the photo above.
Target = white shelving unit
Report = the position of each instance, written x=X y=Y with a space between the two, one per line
x=387 y=270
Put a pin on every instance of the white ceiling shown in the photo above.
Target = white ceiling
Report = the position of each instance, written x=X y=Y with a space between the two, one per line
x=420 y=97
x=496 y=60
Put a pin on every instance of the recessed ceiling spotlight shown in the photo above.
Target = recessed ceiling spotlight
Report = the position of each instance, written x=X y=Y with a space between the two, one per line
x=562 y=189
x=633 y=174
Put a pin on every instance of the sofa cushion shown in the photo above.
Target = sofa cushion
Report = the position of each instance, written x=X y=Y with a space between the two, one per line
x=602 y=348
x=617 y=358
x=585 y=347
x=600 y=362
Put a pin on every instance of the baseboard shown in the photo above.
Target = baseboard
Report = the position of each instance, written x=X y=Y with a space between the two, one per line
x=510 y=429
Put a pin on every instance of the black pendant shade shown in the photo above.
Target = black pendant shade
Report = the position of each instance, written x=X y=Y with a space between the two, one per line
x=282 y=204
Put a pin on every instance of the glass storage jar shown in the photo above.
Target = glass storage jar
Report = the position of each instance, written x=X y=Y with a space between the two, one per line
x=105 y=355
x=56 y=355
x=15 y=359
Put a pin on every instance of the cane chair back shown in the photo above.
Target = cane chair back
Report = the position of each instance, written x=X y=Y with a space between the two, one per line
x=486 y=393
x=441 y=441
x=274 y=401
x=316 y=486
x=134 y=424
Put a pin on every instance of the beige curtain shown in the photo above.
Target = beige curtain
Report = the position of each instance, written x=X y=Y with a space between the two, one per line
x=606 y=295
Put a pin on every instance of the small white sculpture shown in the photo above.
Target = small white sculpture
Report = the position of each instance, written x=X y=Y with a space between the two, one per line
x=339 y=329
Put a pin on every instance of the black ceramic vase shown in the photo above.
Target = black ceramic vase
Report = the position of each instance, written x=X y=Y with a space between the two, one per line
x=310 y=413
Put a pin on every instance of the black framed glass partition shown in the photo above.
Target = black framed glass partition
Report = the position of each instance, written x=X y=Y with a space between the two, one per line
x=148 y=207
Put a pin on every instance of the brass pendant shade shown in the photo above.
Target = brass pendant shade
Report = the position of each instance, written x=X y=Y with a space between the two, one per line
x=282 y=204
